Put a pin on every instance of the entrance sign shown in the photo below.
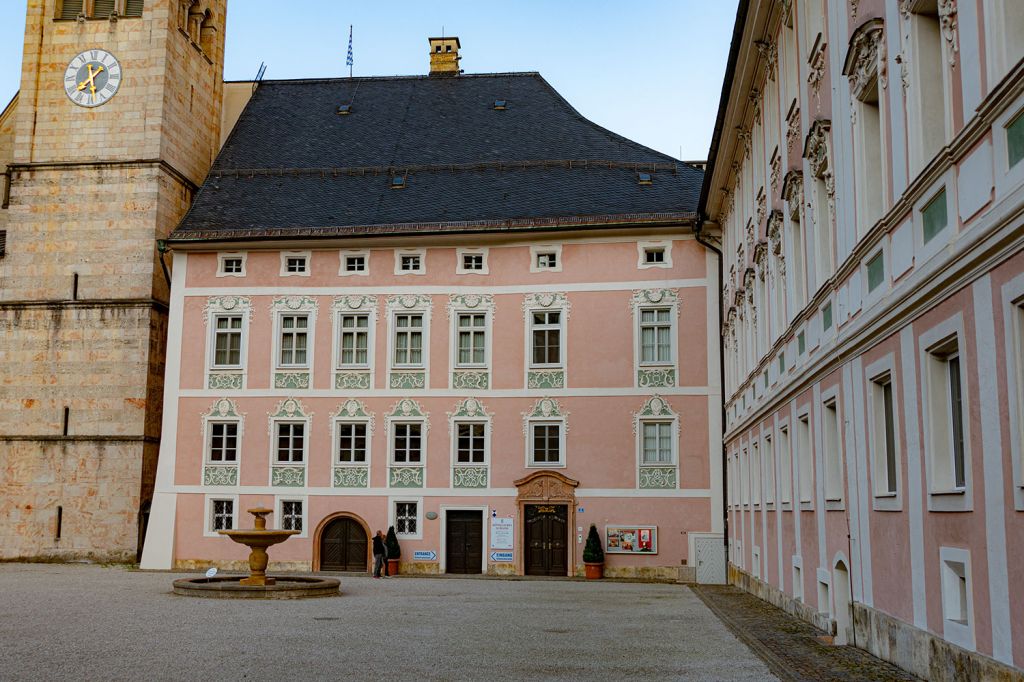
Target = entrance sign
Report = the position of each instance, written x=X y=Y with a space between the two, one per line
x=424 y=555
x=631 y=539
x=501 y=556
x=502 y=533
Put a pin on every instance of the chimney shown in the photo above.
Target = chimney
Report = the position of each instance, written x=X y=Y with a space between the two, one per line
x=444 y=56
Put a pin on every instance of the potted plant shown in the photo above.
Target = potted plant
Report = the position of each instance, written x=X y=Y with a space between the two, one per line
x=593 y=555
x=394 y=551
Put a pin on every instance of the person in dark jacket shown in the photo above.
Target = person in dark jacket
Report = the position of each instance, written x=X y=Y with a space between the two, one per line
x=379 y=554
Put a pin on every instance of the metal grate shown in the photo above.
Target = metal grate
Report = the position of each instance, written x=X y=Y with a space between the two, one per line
x=101 y=9
x=70 y=9
x=133 y=8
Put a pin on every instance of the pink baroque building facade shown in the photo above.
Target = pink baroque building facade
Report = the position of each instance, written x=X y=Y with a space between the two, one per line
x=451 y=305
x=867 y=177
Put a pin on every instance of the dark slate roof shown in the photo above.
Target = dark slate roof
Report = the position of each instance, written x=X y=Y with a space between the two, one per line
x=293 y=167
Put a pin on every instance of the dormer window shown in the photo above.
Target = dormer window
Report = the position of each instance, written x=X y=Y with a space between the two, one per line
x=500 y=105
x=398 y=182
x=644 y=179
x=344 y=109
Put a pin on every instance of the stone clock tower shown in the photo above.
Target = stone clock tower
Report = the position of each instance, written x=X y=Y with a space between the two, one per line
x=114 y=128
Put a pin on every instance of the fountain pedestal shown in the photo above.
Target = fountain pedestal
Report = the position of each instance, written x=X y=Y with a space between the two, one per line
x=257 y=540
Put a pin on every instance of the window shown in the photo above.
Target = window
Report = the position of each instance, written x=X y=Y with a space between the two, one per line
x=472 y=261
x=546 y=443
x=769 y=471
x=655 y=336
x=933 y=216
x=1015 y=140
x=929 y=105
x=957 y=600
x=744 y=479
x=223 y=442
x=355 y=340
x=756 y=484
x=786 y=465
x=945 y=408
x=406 y=517
x=657 y=443
x=222 y=514
x=231 y=265
x=546 y=258
x=826 y=316
x=833 y=452
x=352 y=442
x=804 y=459
x=294 y=335
x=801 y=343
x=654 y=255
x=227 y=341
x=410 y=262
x=408 y=340
x=884 y=435
x=398 y=182
x=291 y=442
x=471 y=443
x=407 y=447
x=291 y=515
x=546 y=333
x=472 y=329
x=876 y=271
x=133 y=8
x=355 y=264
x=294 y=263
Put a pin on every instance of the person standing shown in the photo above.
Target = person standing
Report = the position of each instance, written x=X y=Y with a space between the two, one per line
x=379 y=554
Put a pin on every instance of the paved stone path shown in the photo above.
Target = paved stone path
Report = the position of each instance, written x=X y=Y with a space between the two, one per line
x=790 y=646
x=86 y=622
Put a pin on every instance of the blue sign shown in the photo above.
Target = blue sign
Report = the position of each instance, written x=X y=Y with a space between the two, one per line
x=424 y=556
x=501 y=556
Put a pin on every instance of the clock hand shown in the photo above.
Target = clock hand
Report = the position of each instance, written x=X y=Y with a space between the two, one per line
x=91 y=80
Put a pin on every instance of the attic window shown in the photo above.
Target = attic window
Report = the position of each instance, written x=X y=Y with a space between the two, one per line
x=398 y=182
x=438 y=49
x=499 y=105
x=644 y=179
x=344 y=109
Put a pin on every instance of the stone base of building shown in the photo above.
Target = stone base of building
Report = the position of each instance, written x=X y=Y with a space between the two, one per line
x=915 y=650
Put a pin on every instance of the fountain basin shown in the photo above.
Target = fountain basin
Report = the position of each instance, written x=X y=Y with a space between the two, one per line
x=282 y=587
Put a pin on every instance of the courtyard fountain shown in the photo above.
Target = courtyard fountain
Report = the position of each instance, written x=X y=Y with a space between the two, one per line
x=258 y=585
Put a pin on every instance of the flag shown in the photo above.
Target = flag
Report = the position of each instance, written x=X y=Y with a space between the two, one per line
x=348 y=59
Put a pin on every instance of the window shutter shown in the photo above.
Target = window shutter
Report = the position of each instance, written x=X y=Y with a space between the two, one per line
x=101 y=9
x=133 y=8
x=3 y=243
x=70 y=9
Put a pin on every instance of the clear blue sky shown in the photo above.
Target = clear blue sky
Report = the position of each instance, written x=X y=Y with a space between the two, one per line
x=651 y=71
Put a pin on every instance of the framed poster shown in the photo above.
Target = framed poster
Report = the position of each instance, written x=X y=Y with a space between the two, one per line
x=502 y=534
x=631 y=539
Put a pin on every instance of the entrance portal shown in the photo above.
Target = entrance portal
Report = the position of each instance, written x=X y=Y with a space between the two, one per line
x=546 y=539
x=343 y=546
x=463 y=542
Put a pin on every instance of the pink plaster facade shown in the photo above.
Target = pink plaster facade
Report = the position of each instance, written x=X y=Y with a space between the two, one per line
x=602 y=398
x=846 y=285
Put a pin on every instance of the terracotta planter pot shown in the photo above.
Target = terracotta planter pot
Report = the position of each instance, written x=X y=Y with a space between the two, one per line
x=392 y=566
x=593 y=571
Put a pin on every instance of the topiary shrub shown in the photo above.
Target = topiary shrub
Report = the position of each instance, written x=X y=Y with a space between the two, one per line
x=394 y=551
x=593 y=552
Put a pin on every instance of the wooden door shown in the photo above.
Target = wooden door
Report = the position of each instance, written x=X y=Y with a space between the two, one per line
x=463 y=544
x=546 y=530
x=343 y=546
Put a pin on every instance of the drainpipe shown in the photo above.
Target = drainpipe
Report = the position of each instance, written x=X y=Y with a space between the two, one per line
x=698 y=234
x=162 y=248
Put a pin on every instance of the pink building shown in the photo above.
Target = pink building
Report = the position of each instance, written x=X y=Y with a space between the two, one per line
x=449 y=304
x=867 y=176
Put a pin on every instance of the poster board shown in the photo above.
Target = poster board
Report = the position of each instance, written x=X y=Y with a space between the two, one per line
x=502 y=534
x=631 y=539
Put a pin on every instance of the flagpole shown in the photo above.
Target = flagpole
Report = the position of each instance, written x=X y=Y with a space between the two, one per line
x=348 y=59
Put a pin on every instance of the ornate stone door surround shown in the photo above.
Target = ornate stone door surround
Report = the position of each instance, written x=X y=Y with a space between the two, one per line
x=545 y=487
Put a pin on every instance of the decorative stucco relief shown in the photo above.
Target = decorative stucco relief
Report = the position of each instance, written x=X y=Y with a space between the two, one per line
x=865 y=62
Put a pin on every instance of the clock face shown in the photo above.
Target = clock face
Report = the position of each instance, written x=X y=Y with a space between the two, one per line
x=92 y=78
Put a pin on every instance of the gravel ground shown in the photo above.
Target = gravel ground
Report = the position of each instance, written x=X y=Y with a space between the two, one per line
x=93 y=622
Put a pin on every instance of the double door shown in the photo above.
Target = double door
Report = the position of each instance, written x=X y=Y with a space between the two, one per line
x=343 y=546
x=463 y=543
x=547 y=531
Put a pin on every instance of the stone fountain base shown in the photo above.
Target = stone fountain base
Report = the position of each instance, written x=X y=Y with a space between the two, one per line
x=281 y=587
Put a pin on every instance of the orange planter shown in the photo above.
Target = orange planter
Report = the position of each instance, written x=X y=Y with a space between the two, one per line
x=593 y=571
x=392 y=566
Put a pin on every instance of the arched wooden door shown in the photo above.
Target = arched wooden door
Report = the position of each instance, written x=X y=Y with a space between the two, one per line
x=343 y=546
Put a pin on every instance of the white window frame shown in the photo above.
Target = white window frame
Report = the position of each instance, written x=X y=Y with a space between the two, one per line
x=806 y=454
x=244 y=341
x=562 y=315
x=398 y=421
x=343 y=257
x=486 y=329
x=221 y=257
x=208 y=423
x=538 y=249
x=643 y=247
x=461 y=252
x=785 y=432
x=768 y=470
x=877 y=374
x=925 y=251
x=339 y=331
x=756 y=477
x=393 y=503
x=961 y=634
x=673 y=424
x=672 y=336
x=561 y=423
x=942 y=497
x=279 y=315
x=279 y=501
x=486 y=422
x=833 y=503
x=209 y=499
x=393 y=338
x=285 y=255
x=336 y=425
x=421 y=270
x=1013 y=325
x=274 y=424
